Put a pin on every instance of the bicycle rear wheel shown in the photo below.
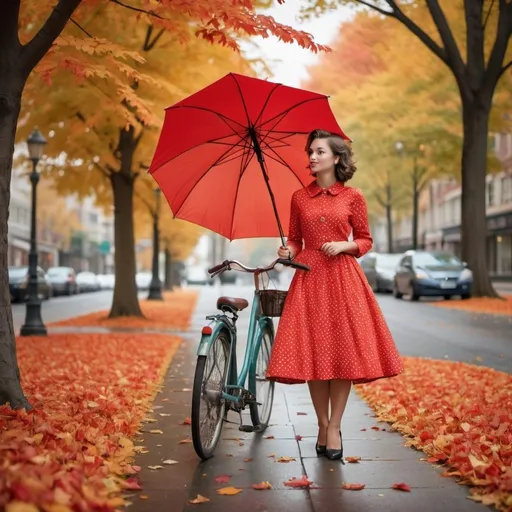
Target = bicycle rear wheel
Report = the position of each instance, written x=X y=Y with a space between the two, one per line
x=264 y=388
x=208 y=406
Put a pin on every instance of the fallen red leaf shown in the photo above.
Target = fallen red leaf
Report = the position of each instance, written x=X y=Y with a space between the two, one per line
x=262 y=486
x=353 y=487
x=302 y=414
x=352 y=460
x=222 y=479
x=186 y=421
x=295 y=482
x=401 y=487
x=298 y=438
x=229 y=491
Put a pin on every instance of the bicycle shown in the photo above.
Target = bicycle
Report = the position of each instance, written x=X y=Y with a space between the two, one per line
x=218 y=387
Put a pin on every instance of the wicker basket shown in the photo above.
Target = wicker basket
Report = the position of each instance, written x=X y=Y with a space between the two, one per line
x=272 y=302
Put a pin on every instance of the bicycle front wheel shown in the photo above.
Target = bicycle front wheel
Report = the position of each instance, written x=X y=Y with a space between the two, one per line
x=264 y=388
x=208 y=406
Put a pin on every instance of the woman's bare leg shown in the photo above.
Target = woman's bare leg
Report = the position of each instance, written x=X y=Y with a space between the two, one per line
x=319 y=391
x=338 y=392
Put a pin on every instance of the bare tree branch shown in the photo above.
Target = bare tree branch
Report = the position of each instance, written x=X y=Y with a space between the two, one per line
x=488 y=15
x=504 y=68
x=103 y=170
x=399 y=15
x=452 y=52
x=81 y=28
x=37 y=48
x=136 y=9
x=499 y=49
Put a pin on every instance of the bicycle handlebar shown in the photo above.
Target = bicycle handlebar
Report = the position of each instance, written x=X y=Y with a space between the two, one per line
x=226 y=265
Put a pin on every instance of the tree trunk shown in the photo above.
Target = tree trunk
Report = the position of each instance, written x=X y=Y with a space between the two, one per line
x=168 y=269
x=474 y=222
x=389 y=218
x=125 y=301
x=11 y=88
x=415 y=198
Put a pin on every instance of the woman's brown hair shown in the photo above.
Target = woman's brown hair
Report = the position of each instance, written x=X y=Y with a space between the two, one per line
x=345 y=168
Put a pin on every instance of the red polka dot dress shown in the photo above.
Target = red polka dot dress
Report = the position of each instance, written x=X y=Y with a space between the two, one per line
x=332 y=326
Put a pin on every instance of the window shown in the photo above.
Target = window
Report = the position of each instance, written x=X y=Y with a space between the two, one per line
x=506 y=189
x=490 y=193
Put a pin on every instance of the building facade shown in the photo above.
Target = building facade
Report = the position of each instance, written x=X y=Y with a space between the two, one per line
x=439 y=223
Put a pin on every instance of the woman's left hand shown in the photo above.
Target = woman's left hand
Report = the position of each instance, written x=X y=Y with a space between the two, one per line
x=334 y=248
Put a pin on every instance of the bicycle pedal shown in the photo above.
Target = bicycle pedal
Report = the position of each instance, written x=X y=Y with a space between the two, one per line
x=246 y=428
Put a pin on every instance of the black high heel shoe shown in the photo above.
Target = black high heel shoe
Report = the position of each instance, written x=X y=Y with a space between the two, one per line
x=335 y=454
x=320 y=448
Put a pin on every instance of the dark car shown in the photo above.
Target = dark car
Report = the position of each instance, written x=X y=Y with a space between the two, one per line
x=63 y=280
x=432 y=273
x=18 y=284
x=379 y=269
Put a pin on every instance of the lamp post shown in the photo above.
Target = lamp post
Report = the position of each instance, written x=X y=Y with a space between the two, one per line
x=155 y=287
x=34 y=325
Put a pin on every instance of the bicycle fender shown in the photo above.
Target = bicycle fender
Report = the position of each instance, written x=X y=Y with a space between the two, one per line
x=209 y=334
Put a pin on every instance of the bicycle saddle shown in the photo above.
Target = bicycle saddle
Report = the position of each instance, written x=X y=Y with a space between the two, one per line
x=232 y=302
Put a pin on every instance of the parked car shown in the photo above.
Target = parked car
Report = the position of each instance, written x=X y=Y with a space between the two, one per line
x=379 y=269
x=432 y=273
x=18 y=284
x=63 y=280
x=197 y=274
x=87 y=282
x=143 y=280
x=106 y=281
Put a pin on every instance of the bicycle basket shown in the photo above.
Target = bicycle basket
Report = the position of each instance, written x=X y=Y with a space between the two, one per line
x=272 y=302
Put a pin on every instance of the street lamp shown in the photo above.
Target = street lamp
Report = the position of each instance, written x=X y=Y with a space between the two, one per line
x=34 y=325
x=155 y=287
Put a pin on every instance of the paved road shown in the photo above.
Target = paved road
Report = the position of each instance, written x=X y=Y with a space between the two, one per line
x=60 y=308
x=422 y=329
x=419 y=329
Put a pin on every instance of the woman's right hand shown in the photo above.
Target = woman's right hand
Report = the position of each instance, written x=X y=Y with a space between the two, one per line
x=285 y=252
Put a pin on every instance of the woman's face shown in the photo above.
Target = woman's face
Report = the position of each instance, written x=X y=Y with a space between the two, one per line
x=321 y=157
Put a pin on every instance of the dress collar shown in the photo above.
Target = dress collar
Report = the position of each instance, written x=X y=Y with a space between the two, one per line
x=314 y=189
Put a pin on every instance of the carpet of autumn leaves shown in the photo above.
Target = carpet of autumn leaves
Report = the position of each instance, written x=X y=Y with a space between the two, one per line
x=174 y=312
x=73 y=451
x=460 y=415
x=501 y=306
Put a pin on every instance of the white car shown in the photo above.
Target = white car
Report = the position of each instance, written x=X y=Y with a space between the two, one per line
x=197 y=274
x=87 y=282
x=143 y=280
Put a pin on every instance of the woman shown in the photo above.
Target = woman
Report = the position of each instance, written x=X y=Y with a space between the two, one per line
x=331 y=333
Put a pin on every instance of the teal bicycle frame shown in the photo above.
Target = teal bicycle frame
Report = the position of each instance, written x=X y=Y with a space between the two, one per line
x=221 y=322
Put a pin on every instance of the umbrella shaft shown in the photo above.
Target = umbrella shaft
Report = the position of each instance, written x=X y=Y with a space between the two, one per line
x=261 y=160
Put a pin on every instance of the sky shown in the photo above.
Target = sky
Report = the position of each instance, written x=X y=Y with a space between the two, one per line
x=289 y=61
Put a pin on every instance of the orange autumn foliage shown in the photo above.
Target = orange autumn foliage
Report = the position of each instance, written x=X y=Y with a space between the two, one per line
x=460 y=415
x=174 y=312
x=73 y=451
x=480 y=305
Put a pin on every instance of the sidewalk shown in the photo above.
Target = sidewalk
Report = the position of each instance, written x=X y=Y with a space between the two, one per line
x=384 y=459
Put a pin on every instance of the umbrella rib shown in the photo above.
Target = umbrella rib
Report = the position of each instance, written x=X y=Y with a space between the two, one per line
x=202 y=176
x=280 y=160
x=222 y=116
x=250 y=155
x=287 y=111
x=243 y=100
x=266 y=103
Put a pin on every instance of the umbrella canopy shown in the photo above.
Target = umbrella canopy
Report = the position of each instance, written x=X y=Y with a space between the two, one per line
x=230 y=156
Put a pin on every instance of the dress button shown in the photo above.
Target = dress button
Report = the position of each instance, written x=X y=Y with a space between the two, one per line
x=322 y=219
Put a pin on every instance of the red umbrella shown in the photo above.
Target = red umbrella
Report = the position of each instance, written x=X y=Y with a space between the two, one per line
x=230 y=156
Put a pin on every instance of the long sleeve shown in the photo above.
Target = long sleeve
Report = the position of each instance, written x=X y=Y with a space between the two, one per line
x=359 y=222
x=294 y=232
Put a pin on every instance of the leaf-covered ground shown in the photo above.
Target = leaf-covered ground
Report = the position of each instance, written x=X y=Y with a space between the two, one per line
x=460 y=415
x=501 y=306
x=174 y=312
x=73 y=452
